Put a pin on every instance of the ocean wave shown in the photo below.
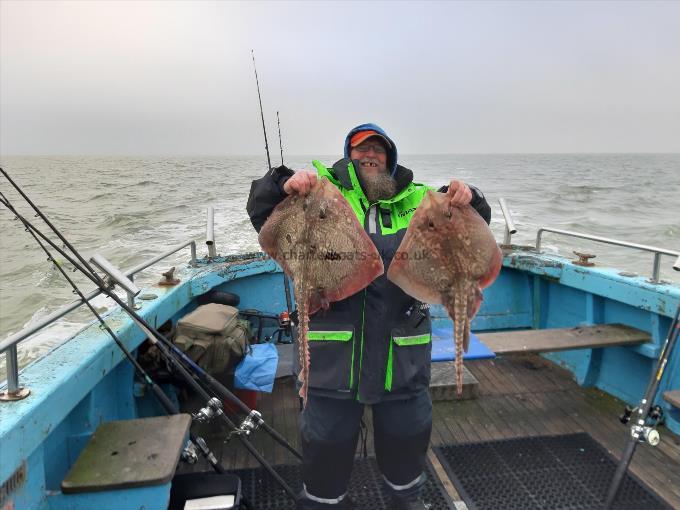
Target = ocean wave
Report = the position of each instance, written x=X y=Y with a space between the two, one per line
x=160 y=202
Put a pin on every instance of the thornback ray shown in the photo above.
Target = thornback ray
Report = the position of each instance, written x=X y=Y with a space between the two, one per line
x=448 y=255
x=320 y=244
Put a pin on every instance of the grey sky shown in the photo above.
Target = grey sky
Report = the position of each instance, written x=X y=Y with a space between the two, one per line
x=176 y=78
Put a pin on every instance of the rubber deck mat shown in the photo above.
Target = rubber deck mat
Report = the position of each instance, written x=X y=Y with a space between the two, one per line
x=566 y=472
x=365 y=487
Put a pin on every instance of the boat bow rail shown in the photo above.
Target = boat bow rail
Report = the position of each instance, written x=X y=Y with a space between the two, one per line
x=653 y=249
x=9 y=346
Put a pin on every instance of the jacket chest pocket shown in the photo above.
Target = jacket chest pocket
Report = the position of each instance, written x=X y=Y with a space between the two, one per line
x=408 y=359
x=330 y=353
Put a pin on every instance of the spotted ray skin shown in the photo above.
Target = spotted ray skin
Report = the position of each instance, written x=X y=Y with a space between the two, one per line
x=448 y=255
x=320 y=244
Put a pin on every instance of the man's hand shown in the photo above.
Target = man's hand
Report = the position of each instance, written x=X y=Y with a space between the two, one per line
x=459 y=193
x=301 y=183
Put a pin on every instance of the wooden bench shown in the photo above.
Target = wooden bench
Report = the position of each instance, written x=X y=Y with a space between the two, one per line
x=443 y=385
x=672 y=397
x=128 y=454
x=558 y=339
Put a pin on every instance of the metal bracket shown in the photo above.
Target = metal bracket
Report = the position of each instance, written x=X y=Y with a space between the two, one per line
x=20 y=394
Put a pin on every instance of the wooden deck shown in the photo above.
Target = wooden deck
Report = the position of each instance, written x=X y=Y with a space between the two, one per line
x=519 y=395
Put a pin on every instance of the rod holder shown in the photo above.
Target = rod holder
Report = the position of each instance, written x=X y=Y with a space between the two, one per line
x=676 y=266
x=210 y=233
x=509 y=224
x=115 y=274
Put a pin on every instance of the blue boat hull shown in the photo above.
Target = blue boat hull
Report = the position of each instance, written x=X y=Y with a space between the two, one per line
x=86 y=381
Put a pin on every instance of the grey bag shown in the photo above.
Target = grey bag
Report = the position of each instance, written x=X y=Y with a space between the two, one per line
x=213 y=336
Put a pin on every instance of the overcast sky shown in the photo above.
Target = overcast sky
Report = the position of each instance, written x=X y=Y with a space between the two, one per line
x=132 y=78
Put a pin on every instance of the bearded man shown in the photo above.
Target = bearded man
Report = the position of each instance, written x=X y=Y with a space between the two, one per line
x=381 y=353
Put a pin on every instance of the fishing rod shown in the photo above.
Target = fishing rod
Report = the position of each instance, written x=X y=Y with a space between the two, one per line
x=278 y=122
x=266 y=143
x=647 y=415
x=214 y=406
x=167 y=404
x=286 y=284
x=151 y=332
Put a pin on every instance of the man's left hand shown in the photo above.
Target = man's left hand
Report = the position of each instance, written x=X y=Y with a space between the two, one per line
x=459 y=193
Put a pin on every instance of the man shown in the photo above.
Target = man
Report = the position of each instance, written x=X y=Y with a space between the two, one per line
x=367 y=363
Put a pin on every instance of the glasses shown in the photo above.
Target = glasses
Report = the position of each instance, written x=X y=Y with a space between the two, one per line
x=377 y=148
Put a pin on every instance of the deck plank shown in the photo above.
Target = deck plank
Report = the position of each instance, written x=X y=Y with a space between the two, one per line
x=519 y=395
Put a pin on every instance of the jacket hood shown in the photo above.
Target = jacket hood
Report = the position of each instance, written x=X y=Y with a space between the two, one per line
x=391 y=152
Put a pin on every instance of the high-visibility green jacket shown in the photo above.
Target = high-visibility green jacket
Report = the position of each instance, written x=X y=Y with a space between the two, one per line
x=374 y=345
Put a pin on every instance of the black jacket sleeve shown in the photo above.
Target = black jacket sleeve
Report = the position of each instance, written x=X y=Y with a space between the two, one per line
x=478 y=202
x=266 y=193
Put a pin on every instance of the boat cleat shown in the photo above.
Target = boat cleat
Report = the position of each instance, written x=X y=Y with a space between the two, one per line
x=584 y=259
x=168 y=278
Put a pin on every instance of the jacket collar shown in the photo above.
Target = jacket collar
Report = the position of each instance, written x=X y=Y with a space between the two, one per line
x=347 y=176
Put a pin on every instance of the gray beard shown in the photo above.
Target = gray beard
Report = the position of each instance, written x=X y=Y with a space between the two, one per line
x=378 y=187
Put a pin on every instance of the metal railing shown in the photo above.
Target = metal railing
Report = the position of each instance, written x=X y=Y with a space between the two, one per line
x=653 y=249
x=210 y=233
x=9 y=345
x=509 y=224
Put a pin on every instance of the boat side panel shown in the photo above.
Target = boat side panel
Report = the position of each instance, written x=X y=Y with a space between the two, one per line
x=594 y=295
x=147 y=498
x=82 y=383
x=31 y=493
x=507 y=304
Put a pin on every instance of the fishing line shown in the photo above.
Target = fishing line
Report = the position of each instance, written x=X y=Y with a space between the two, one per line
x=264 y=130
x=151 y=332
x=286 y=284
x=160 y=395
x=640 y=429
x=278 y=122
x=214 y=407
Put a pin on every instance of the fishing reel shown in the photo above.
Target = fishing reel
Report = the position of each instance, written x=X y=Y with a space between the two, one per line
x=207 y=413
x=285 y=321
x=655 y=414
x=249 y=425
x=189 y=454
x=643 y=432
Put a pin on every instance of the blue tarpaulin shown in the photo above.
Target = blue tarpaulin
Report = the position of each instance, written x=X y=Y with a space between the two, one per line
x=443 y=348
x=257 y=369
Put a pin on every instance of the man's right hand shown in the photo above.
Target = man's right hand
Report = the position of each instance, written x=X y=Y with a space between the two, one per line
x=301 y=183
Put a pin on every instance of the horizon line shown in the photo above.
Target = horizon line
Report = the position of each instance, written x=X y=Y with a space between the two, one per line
x=317 y=155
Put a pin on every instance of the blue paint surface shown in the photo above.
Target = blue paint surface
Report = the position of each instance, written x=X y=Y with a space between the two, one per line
x=86 y=381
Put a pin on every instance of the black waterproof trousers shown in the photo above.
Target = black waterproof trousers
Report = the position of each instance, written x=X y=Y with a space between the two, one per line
x=330 y=430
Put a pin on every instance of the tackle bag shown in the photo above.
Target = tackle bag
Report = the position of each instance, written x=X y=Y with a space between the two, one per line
x=213 y=336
